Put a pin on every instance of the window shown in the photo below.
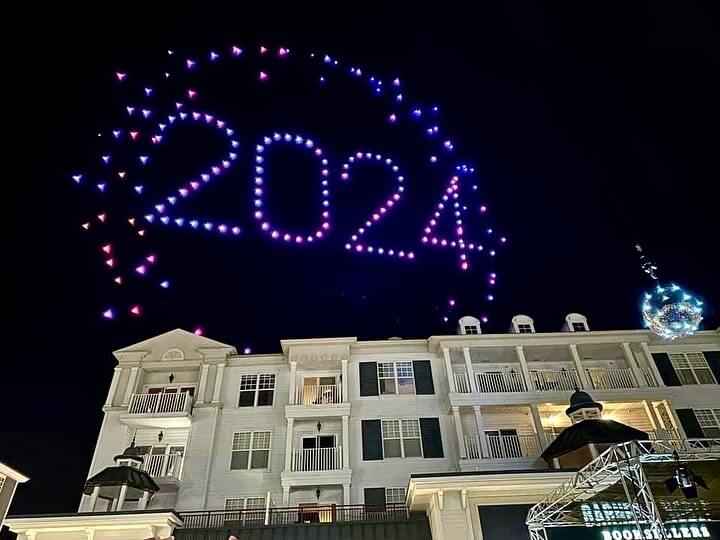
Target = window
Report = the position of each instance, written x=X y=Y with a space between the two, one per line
x=173 y=354
x=401 y=438
x=692 y=368
x=396 y=378
x=395 y=495
x=2 y=480
x=579 y=327
x=250 y=450
x=249 y=510
x=471 y=329
x=709 y=420
x=257 y=390
x=524 y=328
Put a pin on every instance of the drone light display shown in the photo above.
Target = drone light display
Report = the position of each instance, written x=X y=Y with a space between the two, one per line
x=668 y=310
x=133 y=196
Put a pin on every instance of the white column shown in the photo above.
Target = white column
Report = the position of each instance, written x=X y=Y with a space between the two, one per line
x=579 y=367
x=202 y=385
x=121 y=497
x=131 y=385
x=524 y=368
x=293 y=383
x=286 y=496
x=94 y=498
x=632 y=362
x=218 y=383
x=346 y=442
x=143 y=502
x=267 y=508
x=538 y=426
x=480 y=423
x=113 y=386
x=651 y=363
x=470 y=373
x=288 y=442
x=673 y=415
x=346 y=494
x=459 y=433
x=345 y=397
x=448 y=369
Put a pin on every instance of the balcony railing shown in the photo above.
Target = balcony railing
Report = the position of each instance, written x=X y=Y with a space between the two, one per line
x=160 y=403
x=462 y=383
x=162 y=465
x=607 y=379
x=649 y=377
x=502 y=446
x=316 y=459
x=322 y=513
x=318 y=394
x=491 y=382
x=546 y=380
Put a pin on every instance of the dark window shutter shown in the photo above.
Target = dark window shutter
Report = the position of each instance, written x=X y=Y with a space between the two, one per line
x=713 y=360
x=371 y=440
x=667 y=372
x=690 y=423
x=374 y=499
x=423 y=377
x=368 y=379
x=431 y=440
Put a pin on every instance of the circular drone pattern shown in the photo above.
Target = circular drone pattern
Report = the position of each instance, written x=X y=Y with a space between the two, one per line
x=671 y=312
x=132 y=195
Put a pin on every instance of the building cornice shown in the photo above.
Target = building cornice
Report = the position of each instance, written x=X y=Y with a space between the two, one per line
x=12 y=473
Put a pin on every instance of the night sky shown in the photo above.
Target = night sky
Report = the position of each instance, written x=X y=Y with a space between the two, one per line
x=591 y=127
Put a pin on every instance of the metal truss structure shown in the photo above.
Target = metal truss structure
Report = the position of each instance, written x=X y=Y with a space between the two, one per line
x=620 y=463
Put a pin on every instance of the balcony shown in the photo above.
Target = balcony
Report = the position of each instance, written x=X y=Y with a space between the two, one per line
x=165 y=410
x=502 y=447
x=608 y=379
x=320 y=513
x=163 y=465
x=323 y=394
x=316 y=459
x=545 y=380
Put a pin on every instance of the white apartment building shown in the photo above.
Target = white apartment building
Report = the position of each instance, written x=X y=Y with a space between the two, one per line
x=334 y=427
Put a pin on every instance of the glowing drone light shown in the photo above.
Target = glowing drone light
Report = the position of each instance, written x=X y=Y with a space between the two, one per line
x=669 y=311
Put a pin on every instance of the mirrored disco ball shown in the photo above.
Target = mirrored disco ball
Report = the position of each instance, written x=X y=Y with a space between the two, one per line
x=671 y=312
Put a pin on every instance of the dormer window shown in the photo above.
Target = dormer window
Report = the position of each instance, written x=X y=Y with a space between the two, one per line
x=525 y=329
x=469 y=325
x=522 y=324
x=575 y=322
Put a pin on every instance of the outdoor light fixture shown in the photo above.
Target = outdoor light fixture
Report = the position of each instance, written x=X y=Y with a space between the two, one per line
x=319 y=425
x=685 y=479
x=160 y=436
x=171 y=378
x=317 y=492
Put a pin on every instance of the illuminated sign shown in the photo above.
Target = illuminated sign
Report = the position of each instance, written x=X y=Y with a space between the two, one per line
x=679 y=530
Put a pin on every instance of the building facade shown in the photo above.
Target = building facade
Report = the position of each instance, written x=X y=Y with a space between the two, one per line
x=9 y=479
x=336 y=423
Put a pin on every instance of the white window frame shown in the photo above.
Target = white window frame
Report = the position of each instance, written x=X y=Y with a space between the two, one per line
x=471 y=329
x=402 y=437
x=575 y=324
x=689 y=362
x=710 y=419
x=2 y=480
x=382 y=376
x=392 y=493
x=257 y=389
x=525 y=328
x=251 y=448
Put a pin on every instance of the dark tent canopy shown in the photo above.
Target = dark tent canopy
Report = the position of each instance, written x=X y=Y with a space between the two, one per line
x=591 y=431
x=122 y=475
